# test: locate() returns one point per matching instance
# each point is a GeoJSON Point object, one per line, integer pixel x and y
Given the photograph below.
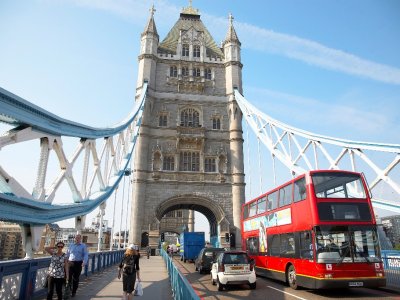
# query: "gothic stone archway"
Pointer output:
{"type": "Point", "coordinates": [210, 209]}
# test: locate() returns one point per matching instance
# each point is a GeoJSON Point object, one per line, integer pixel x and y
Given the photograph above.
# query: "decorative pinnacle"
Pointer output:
{"type": "Point", "coordinates": [190, 10]}
{"type": "Point", "coordinates": [152, 10]}
{"type": "Point", "coordinates": [231, 18]}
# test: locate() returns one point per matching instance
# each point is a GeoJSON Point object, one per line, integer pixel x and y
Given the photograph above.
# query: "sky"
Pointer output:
{"type": "Point", "coordinates": [328, 67]}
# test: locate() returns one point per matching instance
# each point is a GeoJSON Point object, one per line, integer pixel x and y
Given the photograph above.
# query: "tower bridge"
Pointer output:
{"type": "Point", "coordinates": [183, 141]}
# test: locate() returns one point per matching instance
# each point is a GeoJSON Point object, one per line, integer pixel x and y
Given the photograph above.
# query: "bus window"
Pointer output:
{"type": "Point", "coordinates": [299, 190]}
{"type": "Point", "coordinates": [273, 200]}
{"type": "Point", "coordinates": [245, 211]}
{"type": "Point", "coordinates": [333, 211]}
{"type": "Point", "coordinates": [253, 209]}
{"type": "Point", "coordinates": [287, 248]}
{"type": "Point", "coordinates": [274, 242]}
{"type": "Point", "coordinates": [338, 185]}
{"type": "Point", "coordinates": [262, 205]}
{"type": "Point", "coordinates": [285, 195]}
{"type": "Point", "coordinates": [252, 245]}
{"type": "Point", "coordinates": [306, 249]}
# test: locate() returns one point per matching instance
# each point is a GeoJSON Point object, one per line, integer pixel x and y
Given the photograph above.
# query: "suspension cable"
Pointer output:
{"type": "Point", "coordinates": [127, 211]}
{"type": "Point", "coordinates": [259, 163]}
{"type": "Point", "coordinates": [248, 153]}
{"type": "Point", "coordinates": [112, 241]}
{"type": "Point", "coordinates": [122, 213]}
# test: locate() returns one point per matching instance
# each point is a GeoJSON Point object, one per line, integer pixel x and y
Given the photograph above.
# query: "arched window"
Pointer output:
{"type": "Point", "coordinates": [190, 118]}
{"type": "Point", "coordinates": [207, 73]}
{"type": "Point", "coordinates": [185, 50]}
{"type": "Point", "coordinates": [185, 71]}
{"type": "Point", "coordinates": [196, 51]}
{"type": "Point", "coordinates": [173, 71]}
{"type": "Point", "coordinates": [196, 72]}
{"type": "Point", "coordinates": [210, 165]}
{"type": "Point", "coordinates": [169, 163]}
{"type": "Point", "coordinates": [216, 123]}
{"type": "Point", "coordinates": [163, 120]}
{"type": "Point", "coordinates": [189, 161]}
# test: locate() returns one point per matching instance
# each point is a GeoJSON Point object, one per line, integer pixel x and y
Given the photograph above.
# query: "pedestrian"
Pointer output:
{"type": "Point", "coordinates": [58, 271]}
{"type": "Point", "coordinates": [129, 267]}
{"type": "Point", "coordinates": [148, 251]}
{"type": "Point", "coordinates": [77, 259]}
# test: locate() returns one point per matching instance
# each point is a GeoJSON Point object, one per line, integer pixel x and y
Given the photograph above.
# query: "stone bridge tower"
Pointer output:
{"type": "Point", "coordinates": [190, 149]}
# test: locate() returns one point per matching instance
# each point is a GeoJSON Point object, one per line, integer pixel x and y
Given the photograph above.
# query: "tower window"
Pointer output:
{"type": "Point", "coordinates": [185, 50]}
{"type": "Point", "coordinates": [207, 73]}
{"type": "Point", "coordinates": [196, 72]}
{"type": "Point", "coordinates": [190, 118]}
{"type": "Point", "coordinates": [190, 161]}
{"type": "Point", "coordinates": [196, 51]}
{"type": "Point", "coordinates": [163, 120]}
{"type": "Point", "coordinates": [216, 123]}
{"type": "Point", "coordinates": [185, 71]}
{"type": "Point", "coordinates": [209, 165]}
{"type": "Point", "coordinates": [169, 163]}
{"type": "Point", "coordinates": [173, 71]}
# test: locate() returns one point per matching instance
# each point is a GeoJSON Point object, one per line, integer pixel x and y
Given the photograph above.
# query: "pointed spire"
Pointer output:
{"type": "Point", "coordinates": [231, 35]}
{"type": "Point", "coordinates": [151, 25]}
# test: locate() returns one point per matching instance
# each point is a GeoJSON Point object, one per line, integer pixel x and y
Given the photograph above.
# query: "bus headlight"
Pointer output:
{"type": "Point", "coordinates": [379, 274]}
{"type": "Point", "coordinates": [328, 276]}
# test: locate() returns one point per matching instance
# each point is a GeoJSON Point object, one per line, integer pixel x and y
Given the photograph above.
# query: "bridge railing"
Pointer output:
{"type": "Point", "coordinates": [391, 261]}
{"type": "Point", "coordinates": [24, 279]}
{"type": "Point", "coordinates": [181, 288]}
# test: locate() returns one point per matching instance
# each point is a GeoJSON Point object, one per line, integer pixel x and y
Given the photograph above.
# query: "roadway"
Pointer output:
{"type": "Point", "coordinates": [273, 290]}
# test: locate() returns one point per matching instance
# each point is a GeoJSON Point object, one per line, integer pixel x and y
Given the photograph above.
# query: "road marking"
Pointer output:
{"type": "Point", "coordinates": [271, 287]}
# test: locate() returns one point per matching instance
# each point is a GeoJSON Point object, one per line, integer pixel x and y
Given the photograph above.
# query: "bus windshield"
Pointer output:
{"type": "Point", "coordinates": [346, 244]}
{"type": "Point", "coordinates": [338, 185]}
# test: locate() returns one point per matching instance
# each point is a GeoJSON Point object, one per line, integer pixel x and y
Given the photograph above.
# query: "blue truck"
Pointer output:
{"type": "Point", "coordinates": [191, 244]}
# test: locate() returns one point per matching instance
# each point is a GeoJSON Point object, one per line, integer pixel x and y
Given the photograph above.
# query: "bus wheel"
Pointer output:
{"type": "Point", "coordinates": [291, 277]}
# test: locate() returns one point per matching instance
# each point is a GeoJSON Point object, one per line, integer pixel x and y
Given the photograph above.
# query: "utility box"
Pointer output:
{"type": "Point", "coordinates": [191, 244]}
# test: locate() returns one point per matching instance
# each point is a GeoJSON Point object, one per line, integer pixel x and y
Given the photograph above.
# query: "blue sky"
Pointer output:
{"type": "Point", "coordinates": [329, 67]}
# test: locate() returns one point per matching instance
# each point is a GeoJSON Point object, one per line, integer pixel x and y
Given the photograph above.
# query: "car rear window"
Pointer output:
{"type": "Point", "coordinates": [235, 259]}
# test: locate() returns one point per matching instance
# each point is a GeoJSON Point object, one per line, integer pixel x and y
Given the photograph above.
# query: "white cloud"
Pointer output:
{"type": "Point", "coordinates": [260, 39]}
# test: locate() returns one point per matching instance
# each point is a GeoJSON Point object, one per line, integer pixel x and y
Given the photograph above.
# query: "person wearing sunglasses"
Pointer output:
{"type": "Point", "coordinates": [58, 271]}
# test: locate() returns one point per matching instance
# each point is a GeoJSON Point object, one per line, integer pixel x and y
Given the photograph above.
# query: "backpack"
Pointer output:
{"type": "Point", "coordinates": [128, 266]}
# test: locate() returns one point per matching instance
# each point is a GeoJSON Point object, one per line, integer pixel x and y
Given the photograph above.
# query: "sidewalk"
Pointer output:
{"type": "Point", "coordinates": [106, 285]}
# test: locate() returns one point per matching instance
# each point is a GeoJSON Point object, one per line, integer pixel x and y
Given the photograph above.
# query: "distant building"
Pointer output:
{"type": "Point", "coordinates": [391, 226]}
{"type": "Point", "coordinates": [10, 241]}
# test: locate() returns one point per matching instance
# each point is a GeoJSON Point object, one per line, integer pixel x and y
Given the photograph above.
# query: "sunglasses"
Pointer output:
{"type": "Point", "coordinates": [60, 246]}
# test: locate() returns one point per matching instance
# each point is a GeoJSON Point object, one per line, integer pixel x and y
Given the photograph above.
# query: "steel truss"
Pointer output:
{"type": "Point", "coordinates": [299, 150]}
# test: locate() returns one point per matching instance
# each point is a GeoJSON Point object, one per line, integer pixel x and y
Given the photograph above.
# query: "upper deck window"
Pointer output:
{"type": "Point", "coordinates": [338, 185]}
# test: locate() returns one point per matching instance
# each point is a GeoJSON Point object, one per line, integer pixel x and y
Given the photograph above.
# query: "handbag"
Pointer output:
{"type": "Point", "coordinates": [46, 282]}
{"type": "Point", "coordinates": [138, 288]}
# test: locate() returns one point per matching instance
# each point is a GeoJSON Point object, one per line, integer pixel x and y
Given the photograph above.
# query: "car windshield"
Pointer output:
{"type": "Point", "coordinates": [346, 244]}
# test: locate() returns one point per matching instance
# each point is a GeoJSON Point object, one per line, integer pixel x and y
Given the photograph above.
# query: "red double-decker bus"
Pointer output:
{"type": "Point", "coordinates": [316, 231]}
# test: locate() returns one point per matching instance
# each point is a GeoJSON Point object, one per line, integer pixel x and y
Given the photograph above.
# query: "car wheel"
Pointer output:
{"type": "Point", "coordinates": [212, 280]}
{"type": "Point", "coordinates": [220, 286]}
{"type": "Point", "coordinates": [253, 286]}
{"type": "Point", "coordinates": [291, 277]}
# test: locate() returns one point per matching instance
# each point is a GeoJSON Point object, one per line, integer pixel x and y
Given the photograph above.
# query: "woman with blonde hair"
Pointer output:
{"type": "Point", "coordinates": [129, 267]}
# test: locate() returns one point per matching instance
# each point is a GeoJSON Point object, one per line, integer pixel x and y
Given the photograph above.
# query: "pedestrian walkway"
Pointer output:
{"type": "Point", "coordinates": [107, 286]}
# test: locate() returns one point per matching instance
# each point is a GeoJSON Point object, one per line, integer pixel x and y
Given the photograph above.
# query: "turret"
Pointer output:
{"type": "Point", "coordinates": [233, 65]}
{"type": "Point", "coordinates": [233, 76]}
{"type": "Point", "coordinates": [148, 52]}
